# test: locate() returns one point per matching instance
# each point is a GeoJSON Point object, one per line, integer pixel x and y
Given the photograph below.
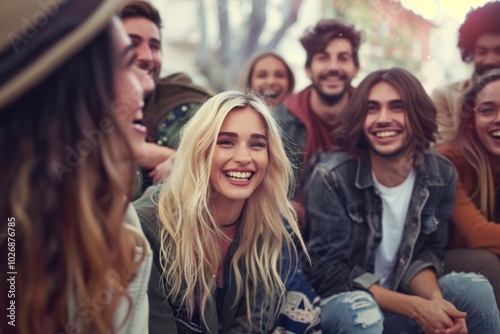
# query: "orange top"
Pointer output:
{"type": "Point", "coordinates": [470, 228]}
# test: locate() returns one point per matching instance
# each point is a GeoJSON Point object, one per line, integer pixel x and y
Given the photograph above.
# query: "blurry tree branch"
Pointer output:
{"type": "Point", "coordinates": [290, 19]}
{"type": "Point", "coordinates": [256, 25]}
{"type": "Point", "coordinates": [203, 49]}
{"type": "Point", "coordinates": [222, 71]}
{"type": "Point", "coordinates": [224, 31]}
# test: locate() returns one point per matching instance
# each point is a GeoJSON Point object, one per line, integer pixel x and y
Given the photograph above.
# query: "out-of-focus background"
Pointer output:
{"type": "Point", "coordinates": [210, 40]}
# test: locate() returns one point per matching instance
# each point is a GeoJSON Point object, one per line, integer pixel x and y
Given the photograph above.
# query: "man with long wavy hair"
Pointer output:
{"type": "Point", "coordinates": [377, 213]}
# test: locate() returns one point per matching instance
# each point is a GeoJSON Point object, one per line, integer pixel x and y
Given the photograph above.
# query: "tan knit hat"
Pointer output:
{"type": "Point", "coordinates": [37, 36]}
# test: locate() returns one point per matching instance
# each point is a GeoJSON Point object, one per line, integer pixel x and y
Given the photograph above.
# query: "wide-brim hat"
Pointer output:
{"type": "Point", "coordinates": [38, 36]}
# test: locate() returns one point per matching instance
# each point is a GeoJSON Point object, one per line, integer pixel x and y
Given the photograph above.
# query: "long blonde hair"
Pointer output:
{"type": "Point", "coordinates": [474, 151]}
{"type": "Point", "coordinates": [189, 231]}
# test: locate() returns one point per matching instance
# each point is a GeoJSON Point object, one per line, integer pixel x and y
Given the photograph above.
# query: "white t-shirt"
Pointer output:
{"type": "Point", "coordinates": [395, 202]}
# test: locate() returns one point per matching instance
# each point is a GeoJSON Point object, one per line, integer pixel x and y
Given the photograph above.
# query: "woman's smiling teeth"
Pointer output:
{"type": "Point", "coordinates": [238, 176]}
{"type": "Point", "coordinates": [496, 134]}
{"type": "Point", "coordinates": [271, 94]}
{"type": "Point", "coordinates": [385, 134]}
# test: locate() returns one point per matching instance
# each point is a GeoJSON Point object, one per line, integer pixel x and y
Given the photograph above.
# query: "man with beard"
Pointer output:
{"type": "Point", "coordinates": [332, 62]}
{"type": "Point", "coordinates": [172, 100]}
{"type": "Point", "coordinates": [377, 212]}
{"type": "Point", "coordinates": [479, 43]}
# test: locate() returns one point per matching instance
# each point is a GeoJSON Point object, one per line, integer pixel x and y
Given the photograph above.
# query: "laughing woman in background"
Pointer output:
{"type": "Point", "coordinates": [475, 230]}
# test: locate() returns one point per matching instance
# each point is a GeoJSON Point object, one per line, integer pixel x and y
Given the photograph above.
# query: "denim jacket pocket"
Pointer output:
{"type": "Point", "coordinates": [429, 223]}
{"type": "Point", "coordinates": [356, 213]}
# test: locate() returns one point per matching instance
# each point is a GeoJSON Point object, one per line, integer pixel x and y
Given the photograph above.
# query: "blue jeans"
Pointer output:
{"type": "Point", "coordinates": [357, 311]}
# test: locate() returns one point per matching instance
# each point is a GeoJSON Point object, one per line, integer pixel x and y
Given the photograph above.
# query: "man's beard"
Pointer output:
{"type": "Point", "coordinates": [480, 70]}
{"type": "Point", "coordinates": [401, 151]}
{"type": "Point", "coordinates": [153, 71]}
{"type": "Point", "coordinates": [331, 99]}
{"type": "Point", "coordinates": [398, 152]}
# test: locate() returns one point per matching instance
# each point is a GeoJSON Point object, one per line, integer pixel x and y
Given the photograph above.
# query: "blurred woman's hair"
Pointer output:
{"type": "Point", "coordinates": [63, 184]}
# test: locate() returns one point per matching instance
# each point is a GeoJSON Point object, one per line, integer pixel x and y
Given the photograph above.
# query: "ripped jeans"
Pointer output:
{"type": "Point", "coordinates": [357, 311]}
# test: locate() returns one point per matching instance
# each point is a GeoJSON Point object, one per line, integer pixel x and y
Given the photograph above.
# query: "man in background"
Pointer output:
{"type": "Point", "coordinates": [479, 43]}
{"type": "Point", "coordinates": [332, 62]}
{"type": "Point", "coordinates": [173, 99]}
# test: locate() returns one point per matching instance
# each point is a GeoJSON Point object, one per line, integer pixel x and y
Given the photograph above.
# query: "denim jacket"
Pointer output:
{"type": "Point", "coordinates": [344, 213]}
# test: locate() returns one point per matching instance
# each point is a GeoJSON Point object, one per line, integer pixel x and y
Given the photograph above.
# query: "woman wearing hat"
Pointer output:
{"type": "Point", "coordinates": [70, 109]}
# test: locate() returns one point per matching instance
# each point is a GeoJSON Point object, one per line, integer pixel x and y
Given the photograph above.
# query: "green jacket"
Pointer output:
{"type": "Point", "coordinates": [170, 106]}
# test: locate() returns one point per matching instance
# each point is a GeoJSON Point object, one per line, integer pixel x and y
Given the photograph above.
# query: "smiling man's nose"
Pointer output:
{"type": "Point", "coordinates": [144, 53]}
{"type": "Point", "coordinates": [384, 116]}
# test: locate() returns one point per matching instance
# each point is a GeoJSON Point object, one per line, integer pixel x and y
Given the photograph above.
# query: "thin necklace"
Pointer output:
{"type": "Point", "coordinates": [232, 224]}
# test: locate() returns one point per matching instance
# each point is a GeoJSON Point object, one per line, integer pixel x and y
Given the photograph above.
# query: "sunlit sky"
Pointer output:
{"type": "Point", "coordinates": [429, 8]}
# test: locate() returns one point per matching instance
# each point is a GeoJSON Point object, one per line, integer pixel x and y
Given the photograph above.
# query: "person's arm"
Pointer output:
{"type": "Point", "coordinates": [297, 288]}
{"type": "Point", "coordinates": [420, 279]}
{"type": "Point", "coordinates": [162, 170]}
{"type": "Point", "coordinates": [132, 316]}
{"type": "Point", "coordinates": [477, 230]}
{"type": "Point", "coordinates": [156, 155]}
{"type": "Point", "coordinates": [161, 317]}
{"type": "Point", "coordinates": [436, 311]}
{"type": "Point", "coordinates": [330, 239]}
{"type": "Point", "coordinates": [425, 305]}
